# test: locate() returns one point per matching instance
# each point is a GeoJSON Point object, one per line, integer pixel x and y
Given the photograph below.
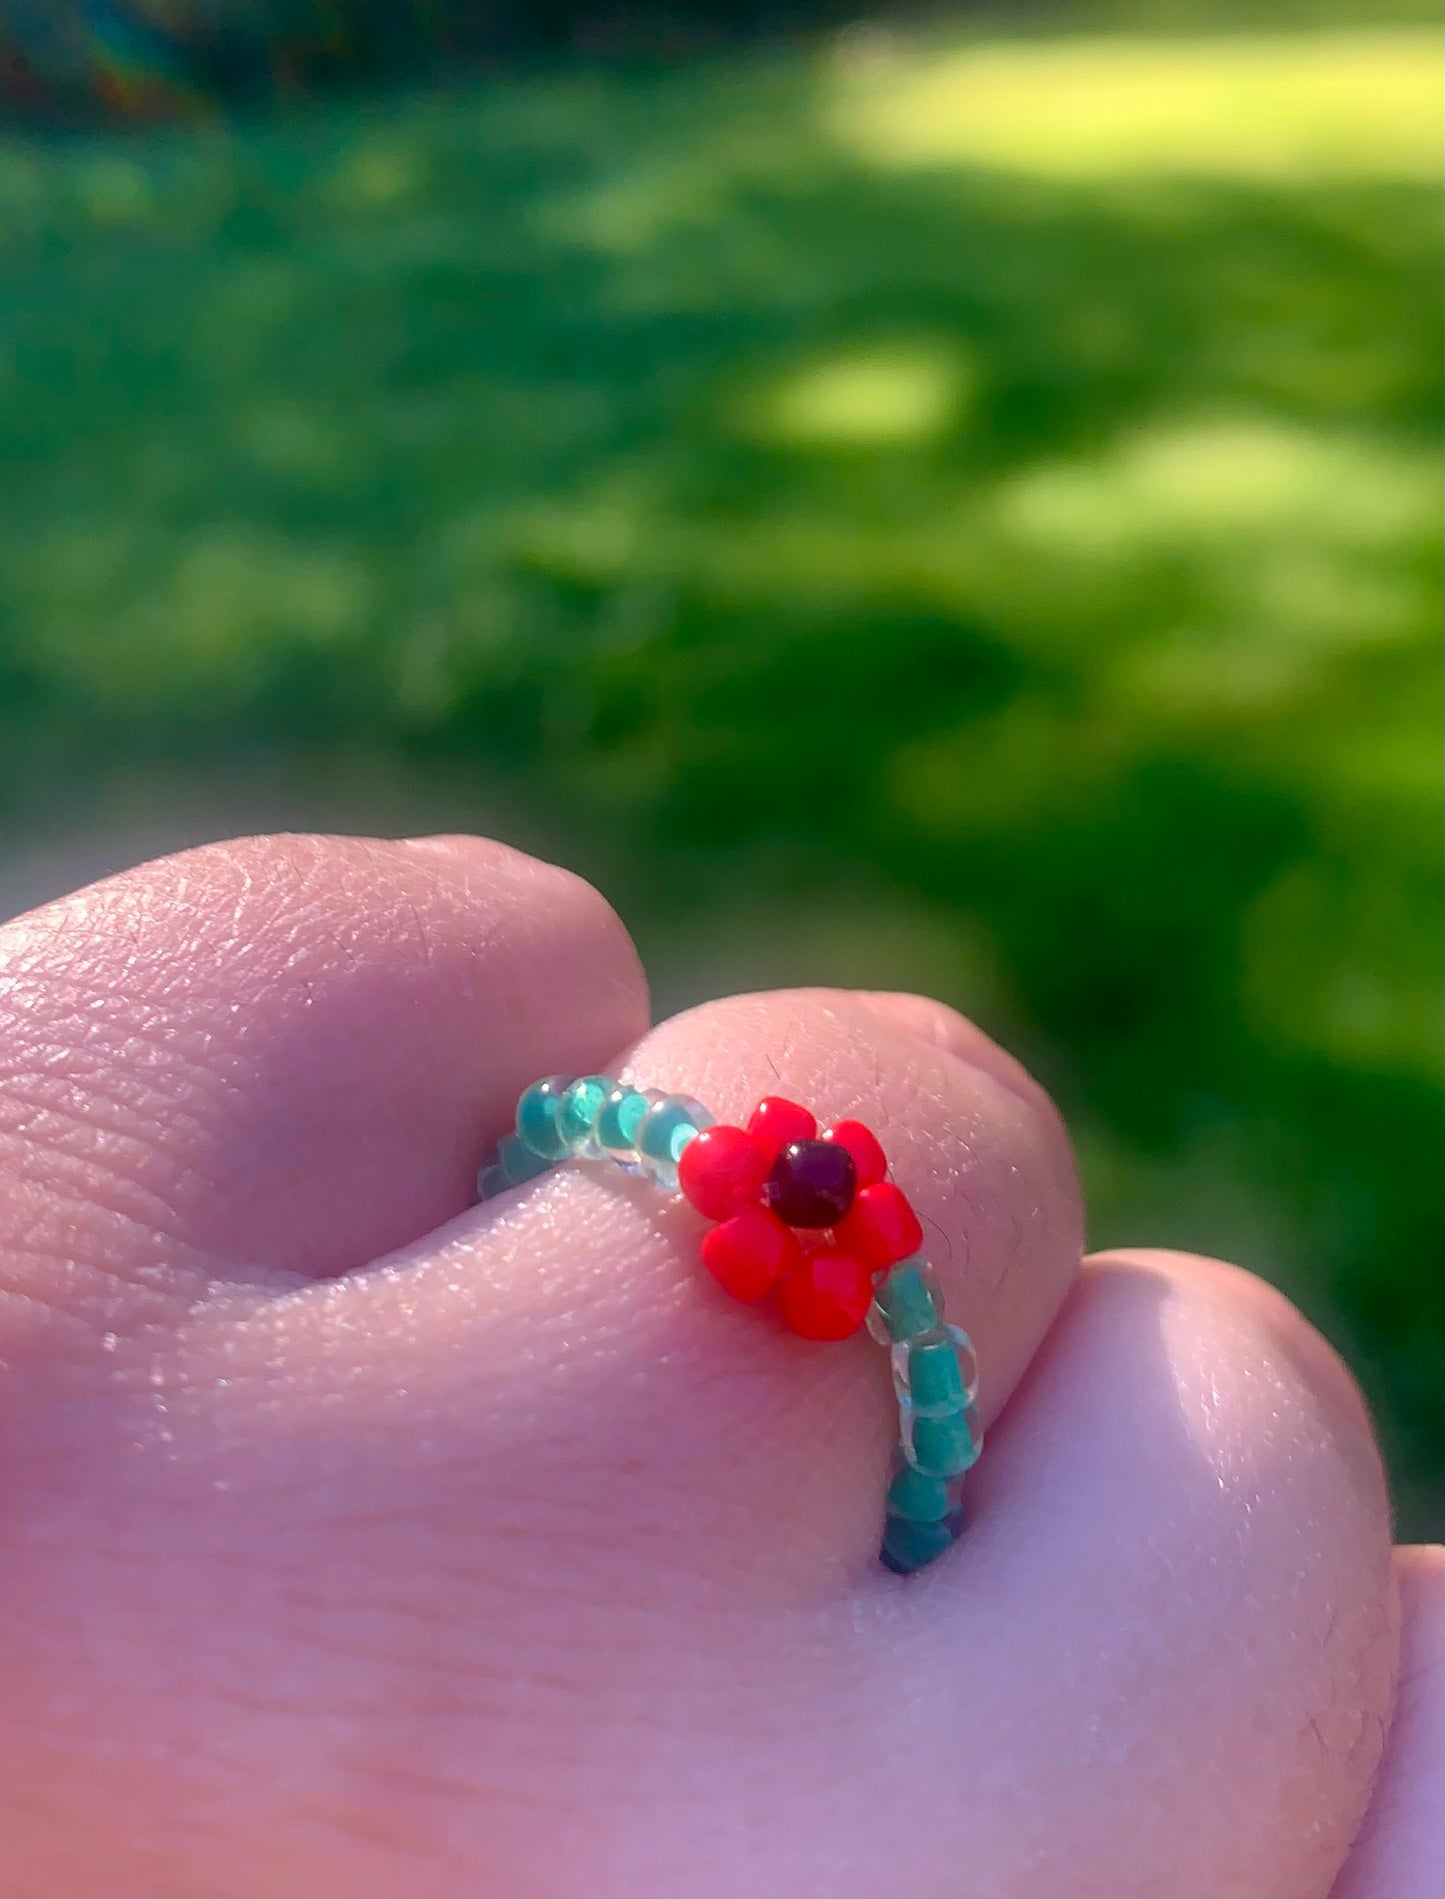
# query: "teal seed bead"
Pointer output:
{"type": "Point", "coordinates": [519, 1162]}
{"type": "Point", "coordinates": [668, 1126]}
{"type": "Point", "coordinates": [935, 1377]}
{"type": "Point", "coordinates": [908, 1301]}
{"type": "Point", "coordinates": [581, 1105]}
{"type": "Point", "coordinates": [539, 1117]}
{"type": "Point", "coordinates": [620, 1117]}
{"type": "Point", "coordinates": [908, 1545]}
{"type": "Point", "coordinates": [921, 1499]}
{"type": "Point", "coordinates": [492, 1180]}
{"type": "Point", "coordinates": [942, 1447]}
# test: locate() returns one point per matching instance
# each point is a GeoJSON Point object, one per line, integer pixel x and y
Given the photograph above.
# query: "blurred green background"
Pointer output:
{"type": "Point", "coordinates": [950, 507]}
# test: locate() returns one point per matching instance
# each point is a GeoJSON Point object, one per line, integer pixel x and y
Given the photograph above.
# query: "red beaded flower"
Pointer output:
{"type": "Point", "coordinates": [810, 1214]}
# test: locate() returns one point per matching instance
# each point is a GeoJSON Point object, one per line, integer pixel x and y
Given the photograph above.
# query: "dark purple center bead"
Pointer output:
{"type": "Point", "coordinates": [812, 1183]}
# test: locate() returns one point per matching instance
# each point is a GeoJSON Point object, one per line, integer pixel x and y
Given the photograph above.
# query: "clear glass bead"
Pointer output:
{"type": "Point", "coordinates": [940, 1446]}
{"type": "Point", "coordinates": [909, 1301]}
{"type": "Point", "coordinates": [664, 1131]}
{"type": "Point", "coordinates": [935, 1371]}
{"type": "Point", "coordinates": [582, 1105]}
{"type": "Point", "coordinates": [619, 1119]}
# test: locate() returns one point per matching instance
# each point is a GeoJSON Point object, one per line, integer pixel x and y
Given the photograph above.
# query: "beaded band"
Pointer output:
{"type": "Point", "coordinates": [809, 1217]}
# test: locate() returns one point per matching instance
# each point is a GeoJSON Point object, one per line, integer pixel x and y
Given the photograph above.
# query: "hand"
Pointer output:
{"type": "Point", "coordinates": [362, 1542]}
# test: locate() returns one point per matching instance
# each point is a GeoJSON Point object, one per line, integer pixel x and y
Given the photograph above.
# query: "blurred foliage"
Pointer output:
{"type": "Point", "coordinates": [890, 519]}
{"type": "Point", "coordinates": [91, 61]}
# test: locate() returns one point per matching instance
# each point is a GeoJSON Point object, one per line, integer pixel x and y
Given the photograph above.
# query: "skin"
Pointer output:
{"type": "Point", "coordinates": [359, 1542]}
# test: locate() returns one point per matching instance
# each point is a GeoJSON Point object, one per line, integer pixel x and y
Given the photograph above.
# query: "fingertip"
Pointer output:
{"type": "Point", "coordinates": [1421, 1568]}
{"type": "Point", "coordinates": [1396, 1853]}
{"type": "Point", "coordinates": [942, 1026]}
{"type": "Point", "coordinates": [1319, 1366]}
{"type": "Point", "coordinates": [929, 1019]}
{"type": "Point", "coordinates": [1420, 1576]}
{"type": "Point", "coordinates": [1214, 1518]}
{"type": "Point", "coordinates": [557, 894]}
{"type": "Point", "coordinates": [450, 843]}
{"type": "Point", "coordinates": [288, 1052]}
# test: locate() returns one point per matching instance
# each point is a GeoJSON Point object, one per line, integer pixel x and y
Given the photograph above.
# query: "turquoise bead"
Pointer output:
{"type": "Point", "coordinates": [935, 1378]}
{"type": "Point", "coordinates": [581, 1105]}
{"type": "Point", "coordinates": [621, 1115]}
{"type": "Point", "coordinates": [943, 1447]}
{"type": "Point", "coordinates": [906, 1300]}
{"type": "Point", "coordinates": [492, 1180]}
{"type": "Point", "coordinates": [908, 1546]}
{"type": "Point", "coordinates": [519, 1162]}
{"type": "Point", "coordinates": [539, 1117]}
{"type": "Point", "coordinates": [921, 1499]}
{"type": "Point", "coordinates": [668, 1126]}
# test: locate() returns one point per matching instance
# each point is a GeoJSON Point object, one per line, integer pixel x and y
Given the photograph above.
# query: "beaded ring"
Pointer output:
{"type": "Point", "coordinates": [810, 1218]}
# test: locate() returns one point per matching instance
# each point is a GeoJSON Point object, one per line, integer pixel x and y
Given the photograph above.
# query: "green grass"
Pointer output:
{"type": "Point", "coordinates": [887, 518]}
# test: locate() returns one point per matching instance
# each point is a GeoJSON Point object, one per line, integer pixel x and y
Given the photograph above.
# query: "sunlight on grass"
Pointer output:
{"type": "Point", "coordinates": [1210, 483]}
{"type": "Point", "coordinates": [1343, 104]}
{"type": "Point", "coordinates": [885, 397]}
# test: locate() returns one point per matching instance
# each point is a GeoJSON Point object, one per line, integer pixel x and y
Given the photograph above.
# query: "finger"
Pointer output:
{"type": "Point", "coordinates": [1160, 1662]}
{"type": "Point", "coordinates": [524, 1562]}
{"type": "Point", "coordinates": [933, 1021]}
{"type": "Point", "coordinates": [690, 1430]}
{"type": "Point", "coordinates": [282, 1054]}
{"type": "Point", "coordinates": [1399, 1852]}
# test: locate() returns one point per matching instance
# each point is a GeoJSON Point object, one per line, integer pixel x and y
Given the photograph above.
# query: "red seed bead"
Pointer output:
{"type": "Point", "coordinates": [880, 1227]}
{"type": "Point", "coordinates": [862, 1144]}
{"type": "Point", "coordinates": [722, 1171]}
{"type": "Point", "coordinates": [748, 1254]}
{"type": "Point", "coordinates": [826, 1295]}
{"type": "Point", "coordinates": [775, 1124]}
